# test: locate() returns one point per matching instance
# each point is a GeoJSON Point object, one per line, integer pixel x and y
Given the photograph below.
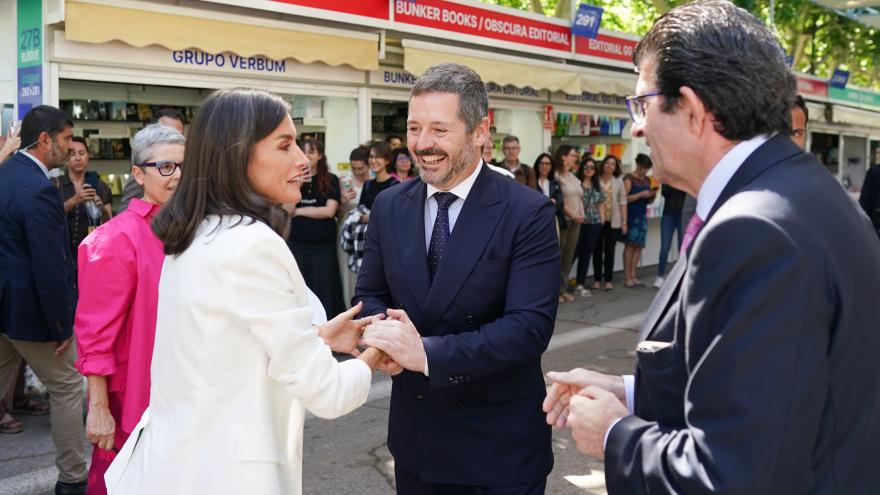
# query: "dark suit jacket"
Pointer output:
{"type": "Point", "coordinates": [771, 384]}
{"type": "Point", "coordinates": [37, 300]}
{"type": "Point", "coordinates": [486, 320]}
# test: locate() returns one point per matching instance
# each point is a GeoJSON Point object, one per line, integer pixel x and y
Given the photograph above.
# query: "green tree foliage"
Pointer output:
{"type": "Point", "coordinates": [818, 39]}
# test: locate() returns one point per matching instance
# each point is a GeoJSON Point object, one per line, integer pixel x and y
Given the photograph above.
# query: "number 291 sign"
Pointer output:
{"type": "Point", "coordinates": [587, 20]}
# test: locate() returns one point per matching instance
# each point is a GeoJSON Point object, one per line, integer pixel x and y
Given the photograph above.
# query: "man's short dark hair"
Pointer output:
{"type": "Point", "coordinates": [171, 113]}
{"type": "Point", "coordinates": [509, 139]}
{"type": "Point", "coordinates": [800, 103]}
{"type": "Point", "coordinates": [729, 59]}
{"type": "Point", "coordinates": [460, 80]}
{"type": "Point", "coordinates": [392, 137]}
{"type": "Point", "coordinates": [40, 119]}
{"type": "Point", "coordinates": [359, 154]}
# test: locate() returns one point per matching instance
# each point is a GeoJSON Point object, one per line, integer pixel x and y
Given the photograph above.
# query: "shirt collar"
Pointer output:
{"type": "Point", "coordinates": [464, 187]}
{"type": "Point", "coordinates": [38, 162]}
{"type": "Point", "coordinates": [723, 171]}
{"type": "Point", "coordinates": [144, 209]}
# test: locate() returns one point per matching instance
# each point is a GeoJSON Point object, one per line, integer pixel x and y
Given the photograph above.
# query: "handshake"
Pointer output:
{"type": "Point", "coordinates": [393, 343]}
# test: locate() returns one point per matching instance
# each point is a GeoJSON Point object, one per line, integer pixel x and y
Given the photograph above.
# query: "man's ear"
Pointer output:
{"type": "Point", "coordinates": [44, 141]}
{"type": "Point", "coordinates": [694, 110]}
{"type": "Point", "coordinates": [481, 133]}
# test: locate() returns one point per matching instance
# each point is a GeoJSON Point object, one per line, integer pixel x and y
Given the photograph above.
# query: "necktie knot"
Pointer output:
{"type": "Point", "coordinates": [444, 199]}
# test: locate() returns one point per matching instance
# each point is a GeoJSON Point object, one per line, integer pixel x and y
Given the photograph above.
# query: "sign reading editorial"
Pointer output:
{"type": "Point", "coordinates": [484, 22]}
{"type": "Point", "coordinates": [228, 60]}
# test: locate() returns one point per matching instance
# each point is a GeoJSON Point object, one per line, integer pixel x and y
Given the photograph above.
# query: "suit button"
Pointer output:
{"type": "Point", "coordinates": [451, 379]}
{"type": "Point", "coordinates": [420, 396]}
{"type": "Point", "coordinates": [470, 319]}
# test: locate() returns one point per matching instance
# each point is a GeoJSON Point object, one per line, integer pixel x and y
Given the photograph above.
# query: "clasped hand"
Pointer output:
{"type": "Point", "coordinates": [587, 402]}
{"type": "Point", "coordinates": [399, 339]}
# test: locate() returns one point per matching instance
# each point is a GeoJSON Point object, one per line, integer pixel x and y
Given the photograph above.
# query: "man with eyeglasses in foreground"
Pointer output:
{"type": "Point", "coordinates": [756, 370]}
{"type": "Point", "coordinates": [37, 296]}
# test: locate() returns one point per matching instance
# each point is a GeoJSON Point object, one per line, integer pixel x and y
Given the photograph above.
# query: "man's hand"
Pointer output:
{"type": "Point", "coordinates": [100, 427]}
{"type": "Point", "coordinates": [568, 384]}
{"type": "Point", "coordinates": [399, 339]}
{"type": "Point", "coordinates": [390, 367]}
{"type": "Point", "coordinates": [62, 345]}
{"type": "Point", "coordinates": [592, 412]}
{"type": "Point", "coordinates": [342, 333]}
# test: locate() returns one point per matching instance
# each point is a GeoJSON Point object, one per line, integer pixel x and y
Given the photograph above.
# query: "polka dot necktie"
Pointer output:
{"type": "Point", "coordinates": [440, 235]}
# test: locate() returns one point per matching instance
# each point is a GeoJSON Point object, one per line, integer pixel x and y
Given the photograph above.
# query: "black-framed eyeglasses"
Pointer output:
{"type": "Point", "coordinates": [636, 106]}
{"type": "Point", "coordinates": [165, 167]}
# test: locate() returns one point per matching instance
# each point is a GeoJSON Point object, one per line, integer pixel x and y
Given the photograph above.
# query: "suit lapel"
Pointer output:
{"type": "Point", "coordinates": [663, 299]}
{"type": "Point", "coordinates": [776, 150]}
{"type": "Point", "coordinates": [411, 240]}
{"type": "Point", "coordinates": [475, 224]}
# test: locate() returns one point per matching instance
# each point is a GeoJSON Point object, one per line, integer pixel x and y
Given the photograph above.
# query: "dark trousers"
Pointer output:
{"type": "Point", "coordinates": [603, 256]}
{"type": "Point", "coordinates": [408, 483]}
{"type": "Point", "coordinates": [669, 224]}
{"type": "Point", "coordinates": [586, 245]}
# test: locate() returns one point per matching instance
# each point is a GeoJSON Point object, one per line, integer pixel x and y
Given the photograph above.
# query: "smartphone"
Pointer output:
{"type": "Point", "coordinates": [346, 182]}
{"type": "Point", "coordinates": [91, 178]}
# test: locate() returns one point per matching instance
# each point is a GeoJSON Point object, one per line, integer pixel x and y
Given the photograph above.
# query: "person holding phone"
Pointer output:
{"type": "Point", "coordinates": [87, 200]}
{"type": "Point", "coordinates": [10, 143]}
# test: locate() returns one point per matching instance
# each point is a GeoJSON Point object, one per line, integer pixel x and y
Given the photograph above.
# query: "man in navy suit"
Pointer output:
{"type": "Point", "coordinates": [37, 297]}
{"type": "Point", "coordinates": [465, 262]}
{"type": "Point", "coordinates": [757, 370]}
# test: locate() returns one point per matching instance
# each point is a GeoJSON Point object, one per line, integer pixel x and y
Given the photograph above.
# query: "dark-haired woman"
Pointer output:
{"type": "Point", "coordinates": [638, 194]}
{"type": "Point", "coordinates": [565, 161]}
{"type": "Point", "coordinates": [236, 360]}
{"type": "Point", "coordinates": [380, 165]}
{"type": "Point", "coordinates": [594, 218]}
{"type": "Point", "coordinates": [313, 231]}
{"type": "Point", "coordinates": [86, 204]}
{"type": "Point", "coordinates": [548, 185]}
{"type": "Point", "coordinates": [402, 165]}
{"type": "Point", "coordinates": [611, 186]}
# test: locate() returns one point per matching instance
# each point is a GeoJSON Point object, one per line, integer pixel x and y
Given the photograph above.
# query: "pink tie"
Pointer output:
{"type": "Point", "coordinates": [693, 228]}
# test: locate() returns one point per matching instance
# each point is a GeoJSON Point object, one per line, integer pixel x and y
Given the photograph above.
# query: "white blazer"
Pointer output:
{"type": "Point", "coordinates": [235, 364]}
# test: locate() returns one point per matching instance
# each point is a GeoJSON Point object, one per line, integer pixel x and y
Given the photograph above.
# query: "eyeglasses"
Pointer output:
{"type": "Point", "coordinates": [165, 167]}
{"type": "Point", "coordinates": [403, 158]}
{"type": "Point", "coordinates": [545, 162]}
{"type": "Point", "coordinates": [636, 106]}
{"type": "Point", "coordinates": [589, 167]}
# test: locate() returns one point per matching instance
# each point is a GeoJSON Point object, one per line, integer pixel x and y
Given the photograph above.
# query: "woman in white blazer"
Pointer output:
{"type": "Point", "coordinates": [236, 361]}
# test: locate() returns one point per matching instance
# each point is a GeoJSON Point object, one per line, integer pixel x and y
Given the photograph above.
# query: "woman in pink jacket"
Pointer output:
{"type": "Point", "coordinates": [119, 268]}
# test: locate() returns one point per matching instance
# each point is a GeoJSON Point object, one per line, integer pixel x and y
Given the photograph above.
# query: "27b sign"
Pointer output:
{"type": "Point", "coordinates": [587, 21]}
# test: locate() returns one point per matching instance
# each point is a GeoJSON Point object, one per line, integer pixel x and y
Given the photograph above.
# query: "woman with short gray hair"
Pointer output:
{"type": "Point", "coordinates": [119, 268]}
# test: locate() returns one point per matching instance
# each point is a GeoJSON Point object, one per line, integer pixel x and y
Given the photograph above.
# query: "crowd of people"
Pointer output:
{"type": "Point", "coordinates": [205, 313]}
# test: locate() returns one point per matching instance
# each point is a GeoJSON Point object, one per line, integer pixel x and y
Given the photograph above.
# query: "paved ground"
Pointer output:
{"type": "Point", "coordinates": [348, 455]}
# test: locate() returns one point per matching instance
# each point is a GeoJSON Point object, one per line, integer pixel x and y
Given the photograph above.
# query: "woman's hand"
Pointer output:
{"type": "Point", "coordinates": [100, 427]}
{"type": "Point", "coordinates": [377, 359]}
{"type": "Point", "coordinates": [85, 193]}
{"type": "Point", "coordinates": [342, 333]}
{"type": "Point", "coordinates": [348, 195]}
{"type": "Point", "coordinates": [12, 143]}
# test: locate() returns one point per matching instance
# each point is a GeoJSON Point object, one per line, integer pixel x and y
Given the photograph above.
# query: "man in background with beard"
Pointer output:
{"type": "Point", "coordinates": [465, 262]}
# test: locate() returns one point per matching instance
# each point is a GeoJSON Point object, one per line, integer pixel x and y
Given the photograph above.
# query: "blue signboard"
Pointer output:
{"type": "Point", "coordinates": [587, 21]}
{"type": "Point", "coordinates": [839, 79]}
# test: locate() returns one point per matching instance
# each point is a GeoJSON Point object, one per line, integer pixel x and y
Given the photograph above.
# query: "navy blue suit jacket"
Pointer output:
{"type": "Point", "coordinates": [770, 383]}
{"type": "Point", "coordinates": [485, 321]}
{"type": "Point", "coordinates": [37, 298]}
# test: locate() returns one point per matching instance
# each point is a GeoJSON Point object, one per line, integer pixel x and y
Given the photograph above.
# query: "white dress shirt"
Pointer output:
{"type": "Point", "coordinates": [709, 193]}
{"type": "Point", "coordinates": [461, 191]}
{"type": "Point", "coordinates": [36, 160]}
